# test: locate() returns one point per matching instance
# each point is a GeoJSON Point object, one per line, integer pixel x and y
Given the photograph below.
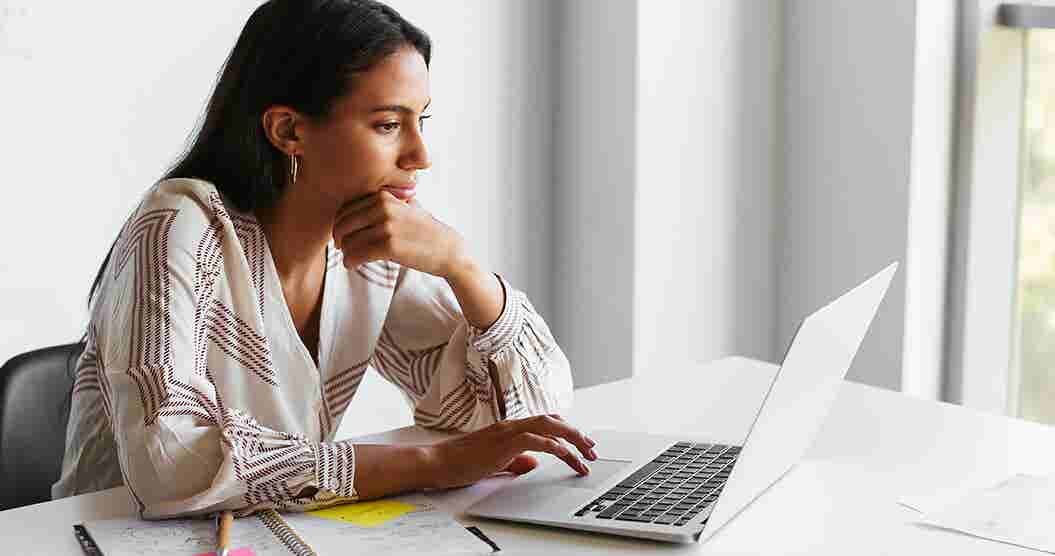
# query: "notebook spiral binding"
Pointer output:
{"type": "Point", "coordinates": [284, 534]}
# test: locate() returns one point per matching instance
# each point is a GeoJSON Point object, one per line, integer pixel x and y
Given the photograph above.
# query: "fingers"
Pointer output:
{"type": "Point", "coordinates": [554, 425]}
{"type": "Point", "coordinates": [522, 463]}
{"type": "Point", "coordinates": [355, 221]}
{"type": "Point", "coordinates": [372, 244]}
{"type": "Point", "coordinates": [359, 203]}
{"type": "Point", "coordinates": [365, 211]}
{"type": "Point", "coordinates": [539, 443]}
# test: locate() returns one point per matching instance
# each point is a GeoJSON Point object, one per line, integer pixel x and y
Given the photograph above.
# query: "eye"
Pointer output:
{"type": "Point", "coordinates": [390, 127]}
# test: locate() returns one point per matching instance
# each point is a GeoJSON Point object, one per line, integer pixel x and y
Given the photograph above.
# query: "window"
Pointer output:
{"type": "Point", "coordinates": [1034, 333]}
{"type": "Point", "coordinates": [1001, 333]}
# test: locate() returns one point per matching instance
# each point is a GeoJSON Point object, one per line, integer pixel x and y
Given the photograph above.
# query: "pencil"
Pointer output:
{"type": "Point", "coordinates": [223, 532]}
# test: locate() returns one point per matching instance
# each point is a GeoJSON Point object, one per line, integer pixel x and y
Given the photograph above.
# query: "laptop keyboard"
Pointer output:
{"type": "Point", "coordinates": [672, 489]}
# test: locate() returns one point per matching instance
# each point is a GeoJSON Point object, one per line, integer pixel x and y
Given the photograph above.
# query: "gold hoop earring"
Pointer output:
{"type": "Point", "coordinates": [293, 167]}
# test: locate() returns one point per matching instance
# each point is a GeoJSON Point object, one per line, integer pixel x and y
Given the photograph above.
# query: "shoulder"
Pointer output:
{"type": "Point", "coordinates": [179, 210]}
{"type": "Point", "coordinates": [182, 194]}
{"type": "Point", "coordinates": [178, 225]}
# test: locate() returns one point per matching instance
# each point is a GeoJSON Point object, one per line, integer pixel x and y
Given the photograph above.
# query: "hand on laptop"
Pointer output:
{"type": "Point", "coordinates": [500, 447]}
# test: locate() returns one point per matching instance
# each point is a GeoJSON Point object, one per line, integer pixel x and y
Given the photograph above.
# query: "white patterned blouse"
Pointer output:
{"type": "Point", "coordinates": [196, 392]}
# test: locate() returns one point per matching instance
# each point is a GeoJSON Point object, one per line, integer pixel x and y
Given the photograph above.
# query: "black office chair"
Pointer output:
{"type": "Point", "coordinates": [34, 409]}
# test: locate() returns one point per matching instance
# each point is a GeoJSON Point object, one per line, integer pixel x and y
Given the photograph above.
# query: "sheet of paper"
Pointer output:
{"type": "Point", "coordinates": [941, 496]}
{"type": "Point", "coordinates": [409, 524]}
{"type": "Point", "coordinates": [1019, 511]}
{"type": "Point", "coordinates": [367, 514]}
{"type": "Point", "coordinates": [179, 537]}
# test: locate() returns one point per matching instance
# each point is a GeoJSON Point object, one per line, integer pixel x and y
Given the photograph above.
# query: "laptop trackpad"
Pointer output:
{"type": "Point", "coordinates": [559, 474]}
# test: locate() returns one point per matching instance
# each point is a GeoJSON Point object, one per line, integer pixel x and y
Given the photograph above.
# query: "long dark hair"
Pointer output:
{"type": "Point", "coordinates": [304, 54]}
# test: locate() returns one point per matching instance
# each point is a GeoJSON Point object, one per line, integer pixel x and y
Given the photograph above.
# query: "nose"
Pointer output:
{"type": "Point", "coordinates": [416, 154]}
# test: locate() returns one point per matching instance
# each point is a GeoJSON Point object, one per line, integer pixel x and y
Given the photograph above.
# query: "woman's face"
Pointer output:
{"type": "Point", "coordinates": [373, 136]}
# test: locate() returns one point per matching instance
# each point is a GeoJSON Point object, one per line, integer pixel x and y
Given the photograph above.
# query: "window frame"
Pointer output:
{"type": "Point", "coordinates": [982, 370]}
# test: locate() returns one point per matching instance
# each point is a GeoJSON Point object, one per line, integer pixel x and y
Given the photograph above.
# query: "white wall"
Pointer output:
{"type": "Point", "coordinates": [593, 195]}
{"type": "Point", "coordinates": [848, 108]}
{"type": "Point", "coordinates": [930, 193]}
{"type": "Point", "coordinates": [707, 180]}
{"type": "Point", "coordinates": [667, 180]}
{"type": "Point", "coordinates": [98, 99]}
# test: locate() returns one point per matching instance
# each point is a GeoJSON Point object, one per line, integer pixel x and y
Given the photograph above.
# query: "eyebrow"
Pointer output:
{"type": "Point", "coordinates": [398, 108]}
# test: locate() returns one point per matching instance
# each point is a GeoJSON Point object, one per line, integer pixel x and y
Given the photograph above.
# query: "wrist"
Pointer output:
{"type": "Point", "coordinates": [461, 269]}
{"type": "Point", "coordinates": [424, 461]}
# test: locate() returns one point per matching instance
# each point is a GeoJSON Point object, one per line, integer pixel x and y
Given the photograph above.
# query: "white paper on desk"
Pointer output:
{"type": "Point", "coordinates": [178, 537]}
{"type": "Point", "coordinates": [425, 530]}
{"type": "Point", "coordinates": [938, 498]}
{"type": "Point", "coordinates": [1019, 511]}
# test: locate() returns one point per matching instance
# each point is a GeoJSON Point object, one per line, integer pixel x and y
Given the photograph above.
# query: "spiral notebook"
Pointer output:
{"type": "Point", "coordinates": [400, 525]}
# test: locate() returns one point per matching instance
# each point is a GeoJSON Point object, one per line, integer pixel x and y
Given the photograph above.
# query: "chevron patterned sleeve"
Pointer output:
{"type": "Point", "coordinates": [184, 447]}
{"type": "Point", "coordinates": [446, 366]}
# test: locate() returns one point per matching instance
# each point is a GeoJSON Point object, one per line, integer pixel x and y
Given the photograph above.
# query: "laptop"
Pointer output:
{"type": "Point", "coordinates": [671, 489]}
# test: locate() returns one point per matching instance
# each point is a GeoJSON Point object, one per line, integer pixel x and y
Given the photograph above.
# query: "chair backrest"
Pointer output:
{"type": "Point", "coordinates": [34, 409]}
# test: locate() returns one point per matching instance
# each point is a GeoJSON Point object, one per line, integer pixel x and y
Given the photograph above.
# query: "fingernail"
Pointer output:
{"type": "Point", "coordinates": [585, 470]}
{"type": "Point", "coordinates": [590, 442]}
{"type": "Point", "coordinates": [592, 454]}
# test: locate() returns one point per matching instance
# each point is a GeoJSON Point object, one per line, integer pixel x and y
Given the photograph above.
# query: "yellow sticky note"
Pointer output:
{"type": "Point", "coordinates": [366, 514]}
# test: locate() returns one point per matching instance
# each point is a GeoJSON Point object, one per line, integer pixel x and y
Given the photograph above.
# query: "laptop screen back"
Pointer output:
{"type": "Point", "coordinates": [801, 394]}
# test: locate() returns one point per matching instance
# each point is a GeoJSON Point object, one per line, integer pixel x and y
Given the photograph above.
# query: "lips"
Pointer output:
{"type": "Point", "coordinates": [403, 192]}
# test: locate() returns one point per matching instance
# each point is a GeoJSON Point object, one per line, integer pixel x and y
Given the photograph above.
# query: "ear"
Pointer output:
{"type": "Point", "coordinates": [284, 127]}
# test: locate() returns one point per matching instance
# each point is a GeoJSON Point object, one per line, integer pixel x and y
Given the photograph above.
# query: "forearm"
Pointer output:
{"type": "Point", "coordinates": [479, 293]}
{"type": "Point", "coordinates": [382, 470]}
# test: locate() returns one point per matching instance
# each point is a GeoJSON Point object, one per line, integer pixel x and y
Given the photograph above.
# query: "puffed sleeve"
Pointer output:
{"type": "Point", "coordinates": [447, 367]}
{"type": "Point", "coordinates": [182, 449]}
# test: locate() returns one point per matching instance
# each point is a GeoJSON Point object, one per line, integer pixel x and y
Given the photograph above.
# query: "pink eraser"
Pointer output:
{"type": "Point", "coordinates": [244, 551]}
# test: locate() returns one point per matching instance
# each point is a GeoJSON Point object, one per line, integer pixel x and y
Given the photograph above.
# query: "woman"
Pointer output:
{"type": "Point", "coordinates": [242, 302]}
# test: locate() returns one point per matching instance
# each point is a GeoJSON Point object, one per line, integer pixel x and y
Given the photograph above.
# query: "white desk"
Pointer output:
{"type": "Point", "coordinates": [875, 447]}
